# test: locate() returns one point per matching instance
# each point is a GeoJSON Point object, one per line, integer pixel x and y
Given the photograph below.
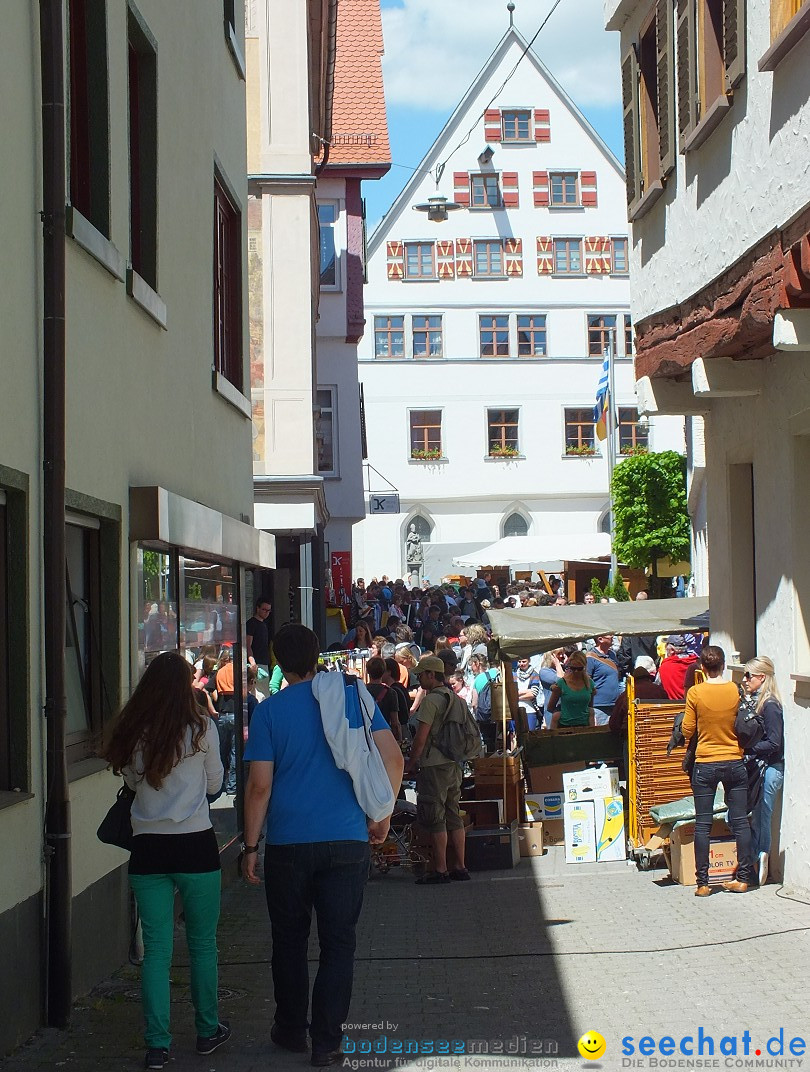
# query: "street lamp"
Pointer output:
{"type": "Point", "coordinates": [437, 208]}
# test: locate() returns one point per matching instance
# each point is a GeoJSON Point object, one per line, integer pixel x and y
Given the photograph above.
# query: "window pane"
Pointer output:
{"type": "Point", "coordinates": [327, 217]}
{"type": "Point", "coordinates": [208, 610]}
{"type": "Point", "coordinates": [426, 433]}
{"type": "Point", "coordinates": [564, 188]}
{"type": "Point", "coordinates": [532, 335]}
{"type": "Point", "coordinates": [579, 430]}
{"type": "Point", "coordinates": [427, 336]}
{"type": "Point", "coordinates": [515, 126]}
{"type": "Point", "coordinates": [389, 336]}
{"type": "Point", "coordinates": [515, 525]}
{"type": "Point", "coordinates": [157, 606]}
{"type": "Point", "coordinates": [77, 634]}
{"type": "Point", "coordinates": [620, 256]}
{"type": "Point", "coordinates": [324, 431]}
{"type": "Point", "coordinates": [601, 333]}
{"type": "Point", "coordinates": [502, 426]}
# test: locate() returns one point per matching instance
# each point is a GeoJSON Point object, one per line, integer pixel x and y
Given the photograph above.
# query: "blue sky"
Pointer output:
{"type": "Point", "coordinates": [435, 48]}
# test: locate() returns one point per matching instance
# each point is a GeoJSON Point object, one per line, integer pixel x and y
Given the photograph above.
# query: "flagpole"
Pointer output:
{"type": "Point", "coordinates": [611, 445]}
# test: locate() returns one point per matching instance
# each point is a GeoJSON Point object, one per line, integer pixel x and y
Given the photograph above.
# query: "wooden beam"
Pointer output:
{"type": "Point", "coordinates": [720, 377]}
{"type": "Point", "coordinates": [659, 396]}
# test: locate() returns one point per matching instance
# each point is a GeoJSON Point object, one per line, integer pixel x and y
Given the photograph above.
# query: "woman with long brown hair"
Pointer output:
{"type": "Point", "coordinates": [167, 749]}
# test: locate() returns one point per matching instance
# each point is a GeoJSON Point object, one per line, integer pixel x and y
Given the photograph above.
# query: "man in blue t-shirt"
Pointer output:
{"type": "Point", "coordinates": [604, 673]}
{"type": "Point", "coordinates": [317, 851]}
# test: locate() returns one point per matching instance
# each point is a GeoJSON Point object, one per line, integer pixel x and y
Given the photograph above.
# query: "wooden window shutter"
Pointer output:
{"type": "Point", "coordinates": [734, 41]}
{"type": "Point", "coordinates": [587, 187]}
{"type": "Point", "coordinates": [632, 155]}
{"type": "Point", "coordinates": [396, 260]}
{"type": "Point", "coordinates": [492, 124]}
{"type": "Point", "coordinates": [463, 257]}
{"type": "Point", "coordinates": [509, 189]}
{"type": "Point", "coordinates": [686, 44]}
{"type": "Point", "coordinates": [445, 257]}
{"type": "Point", "coordinates": [461, 188]}
{"type": "Point", "coordinates": [542, 124]}
{"type": "Point", "coordinates": [665, 71]}
{"type": "Point", "coordinates": [545, 255]}
{"type": "Point", "coordinates": [513, 250]}
{"type": "Point", "coordinates": [540, 184]}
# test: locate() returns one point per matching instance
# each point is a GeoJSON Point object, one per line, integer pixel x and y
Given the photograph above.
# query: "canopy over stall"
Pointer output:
{"type": "Point", "coordinates": [532, 630]}
{"type": "Point", "coordinates": [546, 552]}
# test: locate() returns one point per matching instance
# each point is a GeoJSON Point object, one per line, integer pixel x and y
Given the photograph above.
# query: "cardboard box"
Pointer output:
{"type": "Point", "coordinates": [544, 806]}
{"type": "Point", "coordinates": [595, 783]}
{"type": "Point", "coordinates": [611, 842]}
{"type": "Point", "coordinates": [580, 832]}
{"type": "Point", "coordinates": [492, 848]}
{"type": "Point", "coordinates": [493, 765]}
{"type": "Point", "coordinates": [681, 855]}
{"type": "Point", "coordinates": [553, 832]}
{"type": "Point", "coordinates": [492, 789]}
{"type": "Point", "coordinates": [549, 779]}
{"type": "Point", "coordinates": [483, 812]}
{"type": "Point", "coordinates": [530, 839]}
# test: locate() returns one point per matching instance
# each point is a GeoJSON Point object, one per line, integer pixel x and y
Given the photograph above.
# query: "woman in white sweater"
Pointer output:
{"type": "Point", "coordinates": [167, 749]}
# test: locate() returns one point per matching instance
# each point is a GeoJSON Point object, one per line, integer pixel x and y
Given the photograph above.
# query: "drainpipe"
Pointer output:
{"type": "Point", "coordinates": [57, 806]}
{"type": "Point", "coordinates": [329, 97]}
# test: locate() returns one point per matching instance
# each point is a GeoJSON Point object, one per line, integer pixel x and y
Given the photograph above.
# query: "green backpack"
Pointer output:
{"type": "Point", "coordinates": [457, 737]}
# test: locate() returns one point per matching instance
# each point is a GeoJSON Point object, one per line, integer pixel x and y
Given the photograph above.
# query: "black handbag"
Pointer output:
{"type": "Point", "coordinates": [688, 763]}
{"type": "Point", "coordinates": [116, 826]}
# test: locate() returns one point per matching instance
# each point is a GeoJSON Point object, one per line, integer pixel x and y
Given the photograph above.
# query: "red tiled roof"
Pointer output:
{"type": "Point", "coordinates": [359, 124]}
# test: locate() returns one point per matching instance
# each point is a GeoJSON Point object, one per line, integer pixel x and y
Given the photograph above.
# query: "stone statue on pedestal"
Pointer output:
{"type": "Point", "coordinates": [413, 547]}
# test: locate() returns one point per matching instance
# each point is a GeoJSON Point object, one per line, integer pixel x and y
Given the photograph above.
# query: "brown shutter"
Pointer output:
{"type": "Point", "coordinates": [734, 41]}
{"type": "Point", "coordinates": [686, 42]}
{"type": "Point", "coordinates": [587, 188]}
{"type": "Point", "coordinates": [445, 258]}
{"type": "Point", "coordinates": [542, 125]}
{"type": "Point", "coordinates": [632, 156]}
{"type": "Point", "coordinates": [545, 255]}
{"type": "Point", "coordinates": [513, 252]}
{"type": "Point", "coordinates": [461, 188]}
{"type": "Point", "coordinates": [509, 189]}
{"type": "Point", "coordinates": [396, 260]}
{"type": "Point", "coordinates": [665, 70]}
{"type": "Point", "coordinates": [463, 257]}
{"type": "Point", "coordinates": [492, 124]}
{"type": "Point", "coordinates": [541, 194]}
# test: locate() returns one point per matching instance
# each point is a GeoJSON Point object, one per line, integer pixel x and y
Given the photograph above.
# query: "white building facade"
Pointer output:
{"type": "Point", "coordinates": [717, 125]}
{"type": "Point", "coordinates": [486, 332]}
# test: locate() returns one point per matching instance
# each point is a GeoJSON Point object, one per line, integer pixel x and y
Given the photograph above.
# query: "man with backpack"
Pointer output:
{"type": "Point", "coordinates": [438, 777]}
{"type": "Point", "coordinates": [482, 699]}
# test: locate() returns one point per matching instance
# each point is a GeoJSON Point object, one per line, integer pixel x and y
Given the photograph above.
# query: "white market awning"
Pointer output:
{"type": "Point", "coordinates": [546, 552]}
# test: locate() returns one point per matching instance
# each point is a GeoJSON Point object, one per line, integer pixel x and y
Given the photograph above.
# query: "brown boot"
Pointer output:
{"type": "Point", "coordinates": [703, 891]}
{"type": "Point", "coordinates": [735, 886]}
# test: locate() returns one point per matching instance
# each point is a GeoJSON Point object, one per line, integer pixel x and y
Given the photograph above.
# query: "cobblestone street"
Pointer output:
{"type": "Point", "coordinates": [538, 955]}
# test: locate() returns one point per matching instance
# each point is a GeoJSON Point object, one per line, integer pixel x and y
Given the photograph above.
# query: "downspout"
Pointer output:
{"type": "Point", "coordinates": [329, 84]}
{"type": "Point", "coordinates": [58, 905]}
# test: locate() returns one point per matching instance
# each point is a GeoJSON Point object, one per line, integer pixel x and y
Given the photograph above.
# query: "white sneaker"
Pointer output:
{"type": "Point", "coordinates": [762, 864]}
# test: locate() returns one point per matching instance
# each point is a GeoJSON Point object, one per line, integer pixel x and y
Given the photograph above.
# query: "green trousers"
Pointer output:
{"type": "Point", "coordinates": [155, 898]}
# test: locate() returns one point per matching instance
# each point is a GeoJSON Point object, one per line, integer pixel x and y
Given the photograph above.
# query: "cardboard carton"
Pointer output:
{"type": "Point", "coordinates": [549, 779]}
{"type": "Point", "coordinates": [595, 783]}
{"type": "Point", "coordinates": [580, 832]}
{"type": "Point", "coordinates": [544, 805]}
{"type": "Point", "coordinates": [681, 856]}
{"type": "Point", "coordinates": [611, 843]}
{"type": "Point", "coordinates": [483, 812]}
{"type": "Point", "coordinates": [530, 839]}
{"type": "Point", "coordinates": [553, 831]}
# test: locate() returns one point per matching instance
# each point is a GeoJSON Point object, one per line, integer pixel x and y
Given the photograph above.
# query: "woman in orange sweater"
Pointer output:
{"type": "Point", "coordinates": [711, 708]}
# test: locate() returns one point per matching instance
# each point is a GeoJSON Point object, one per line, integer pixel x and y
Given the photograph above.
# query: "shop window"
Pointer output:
{"type": "Point", "coordinates": [579, 432]}
{"type": "Point", "coordinates": [502, 432]}
{"type": "Point", "coordinates": [516, 525]}
{"type": "Point", "coordinates": [158, 625]}
{"type": "Point", "coordinates": [227, 287]}
{"type": "Point", "coordinates": [389, 336]}
{"type": "Point", "coordinates": [142, 150]}
{"type": "Point", "coordinates": [488, 258]}
{"type": "Point", "coordinates": [564, 189]}
{"type": "Point", "coordinates": [531, 334]}
{"type": "Point", "coordinates": [634, 436]}
{"type": "Point", "coordinates": [493, 336]}
{"type": "Point", "coordinates": [83, 637]}
{"type": "Point", "coordinates": [89, 112]}
{"type": "Point", "coordinates": [568, 256]}
{"type": "Point", "coordinates": [208, 606]}
{"type": "Point", "coordinates": [325, 430]}
{"type": "Point", "coordinates": [618, 256]}
{"type": "Point", "coordinates": [427, 336]}
{"type": "Point", "coordinates": [601, 334]}
{"type": "Point", "coordinates": [327, 219]}
{"type": "Point", "coordinates": [516, 125]}
{"type": "Point", "coordinates": [485, 191]}
{"type": "Point", "coordinates": [426, 433]}
{"type": "Point", "coordinates": [420, 262]}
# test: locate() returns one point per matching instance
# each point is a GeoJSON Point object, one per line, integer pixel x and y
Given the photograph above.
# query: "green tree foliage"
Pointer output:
{"type": "Point", "coordinates": [617, 590]}
{"type": "Point", "coordinates": [650, 517]}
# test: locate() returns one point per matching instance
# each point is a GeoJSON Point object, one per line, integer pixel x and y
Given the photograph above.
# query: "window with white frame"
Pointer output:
{"type": "Point", "coordinates": [426, 434]}
{"type": "Point", "coordinates": [389, 336]}
{"type": "Point", "coordinates": [427, 335]}
{"type": "Point", "coordinates": [493, 336]}
{"type": "Point", "coordinates": [327, 220]}
{"type": "Point", "coordinates": [634, 433]}
{"type": "Point", "coordinates": [326, 430]}
{"type": "Point", "coordinates": [580, 436]}
{"type": "Point", "coordinates": [502, 433]}
{"type": "Point", "coordinates": [485, 191]}
{"type": "Point", "coordinates": [516, 125]}
{"type": "Point", "coordinates": [531, 335]}
{"type": "Point", "coordinates": [618, 256]}
{"type": "Point", "coordinates": [601, 334]}
{"type": "Point", "coordinates": [568, 256]}
{"type": "Point", "coordinates": [488, 257]}
{"type": "Point", "coordinates": [564, 189]}
{"type": "Point", "coordinates": [420, 260]}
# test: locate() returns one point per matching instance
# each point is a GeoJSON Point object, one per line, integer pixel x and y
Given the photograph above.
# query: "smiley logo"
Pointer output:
{"type": "Point", "coordinates": [592, 1046]}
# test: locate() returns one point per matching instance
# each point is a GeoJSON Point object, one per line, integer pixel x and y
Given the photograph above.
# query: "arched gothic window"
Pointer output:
{"type": "Point", "coordinates": [516, 525]}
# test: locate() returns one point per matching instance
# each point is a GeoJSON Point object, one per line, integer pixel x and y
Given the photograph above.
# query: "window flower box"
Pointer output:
{"type": "Point", "coordinates": [583, 451]}
{"type": "Point", "coordinates": [498, 450]}
{"type": "Point", "coordinates": [426, 455]}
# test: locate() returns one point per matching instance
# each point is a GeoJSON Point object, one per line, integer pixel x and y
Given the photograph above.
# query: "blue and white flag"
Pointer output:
{"type": "Point", "coordinates": [602, 401]}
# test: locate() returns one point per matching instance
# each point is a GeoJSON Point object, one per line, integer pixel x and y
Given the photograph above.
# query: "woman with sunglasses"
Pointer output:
{"type": "Point", "coordinates": [711, 708]}
{"type": "Point", "coordinates": [571, 700]}
{"type": "Point", "coordinates": [769, 751]}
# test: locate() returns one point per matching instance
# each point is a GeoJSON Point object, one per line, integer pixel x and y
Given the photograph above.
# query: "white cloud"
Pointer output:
{"type": "Point", "coordinates": [434, 48]}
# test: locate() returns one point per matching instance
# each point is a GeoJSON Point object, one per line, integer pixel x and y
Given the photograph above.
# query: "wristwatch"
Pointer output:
{"type": "Point", "coordinates": [247, 849]}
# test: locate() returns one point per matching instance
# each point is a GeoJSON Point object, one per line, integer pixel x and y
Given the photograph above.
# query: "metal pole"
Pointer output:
{"type": "Point", "coordinates": [57, 806]}
{"type": "Point", "coordinates": [611, 445]}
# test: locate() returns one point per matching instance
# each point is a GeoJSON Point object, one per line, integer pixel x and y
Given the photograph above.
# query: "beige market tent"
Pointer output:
{"type": "Point", "coordinates": [546, 552]}
{"type": "Point", "coordinates": [531, 630]}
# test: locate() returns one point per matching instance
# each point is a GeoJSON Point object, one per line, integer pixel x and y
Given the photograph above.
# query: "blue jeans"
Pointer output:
{"type": "Point", "coordinates": [705, 779]}
{"type": "Point", "coordinates": [155, 897]}
{"type": "Point", "coordinates": [761, 819]}
{"type": "Point", "coordinates": [227, 749]}
{"type": "Point", "coordinates": [329, 876]}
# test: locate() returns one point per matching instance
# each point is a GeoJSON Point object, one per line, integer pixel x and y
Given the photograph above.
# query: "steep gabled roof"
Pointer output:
{"type": "Point", "coordinates": [460, 121]}
{"type": "Point", "coordinates": [359, 122]}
